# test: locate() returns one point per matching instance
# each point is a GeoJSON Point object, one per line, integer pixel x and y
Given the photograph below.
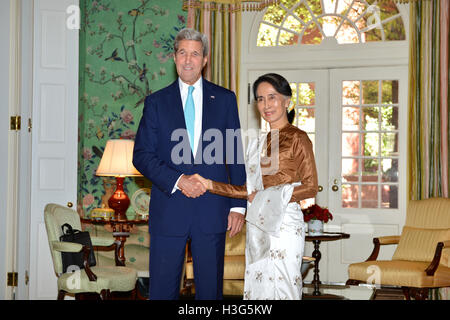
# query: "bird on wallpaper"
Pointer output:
{"type": "Point", "coordinates": [143, 72]}
{"type": "Point", "coordinates": [148, 53]}
{"type": "Point", "coordinates": [135, 12]}
{"type": "Point", "coordinates": [99, 133]}
{"type": "Point", "coordinates": [114, 56]}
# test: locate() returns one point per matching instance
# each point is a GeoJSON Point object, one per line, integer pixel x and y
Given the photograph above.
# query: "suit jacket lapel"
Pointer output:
{"type": "Point", "coordinates": [176, 106]}
{"type": "Point", "coordinates": [207, 106]}
{"type": "Point", "coordinates": [207, 109]}
{"type": "Point", "coordinates": [176, 110]}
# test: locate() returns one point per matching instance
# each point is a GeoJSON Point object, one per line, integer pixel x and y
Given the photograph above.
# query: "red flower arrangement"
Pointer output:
{"type": "Point", "coordinates": [316, 212]}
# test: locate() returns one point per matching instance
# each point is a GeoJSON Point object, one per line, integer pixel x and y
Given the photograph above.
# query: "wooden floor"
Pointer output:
{"type": "Point", "coordinates": [388, 294]}
{"type": "Point", "coordinates": [329, 292]}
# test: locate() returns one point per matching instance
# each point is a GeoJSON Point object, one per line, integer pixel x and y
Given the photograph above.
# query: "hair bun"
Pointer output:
{"type": "Point", "coordinates": [291, 115]}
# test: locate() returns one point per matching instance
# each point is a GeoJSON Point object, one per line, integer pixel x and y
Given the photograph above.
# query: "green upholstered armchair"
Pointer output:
{"type": "Point", "coordinates": [102, 280]}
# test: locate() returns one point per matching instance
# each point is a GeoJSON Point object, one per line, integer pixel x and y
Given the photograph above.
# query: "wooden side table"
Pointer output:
{"type": "Point", "coordinates": [121, 230]}
{"type": "Point", "coordinates": [316, 240]}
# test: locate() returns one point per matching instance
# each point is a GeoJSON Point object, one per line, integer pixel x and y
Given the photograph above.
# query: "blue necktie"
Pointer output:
{"type": "Point", "coordinates": [189, 116]}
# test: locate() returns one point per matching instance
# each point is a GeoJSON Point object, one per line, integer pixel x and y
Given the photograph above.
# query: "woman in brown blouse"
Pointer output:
{"type": "Point", "coordinates": [273, 259]}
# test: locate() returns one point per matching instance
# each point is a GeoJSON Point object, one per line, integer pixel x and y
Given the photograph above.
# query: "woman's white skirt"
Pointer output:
{"type": "Point", "coordinates": [276, 276]}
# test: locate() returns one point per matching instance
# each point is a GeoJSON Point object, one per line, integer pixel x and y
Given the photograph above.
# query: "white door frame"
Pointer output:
{"type": "Point", "coordinates": [14, 142]}
{"type": "Point", "coordinates": [6, 263]}
{"type": "Point", "coordinates": [24, 197]}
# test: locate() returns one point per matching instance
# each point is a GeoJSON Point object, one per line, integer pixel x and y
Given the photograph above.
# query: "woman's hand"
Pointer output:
{"type": "Point", "coordinates": [207, 183]}
{"type": "Point", "coordinates": [251, 196]}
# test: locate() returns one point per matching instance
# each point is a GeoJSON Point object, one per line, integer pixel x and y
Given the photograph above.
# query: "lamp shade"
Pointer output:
{"type": "Point", "coordinates": [117, 159]}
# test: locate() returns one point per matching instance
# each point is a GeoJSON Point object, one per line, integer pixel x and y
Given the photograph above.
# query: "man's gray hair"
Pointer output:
{"type": "Point", "coordinates": [191, 34]}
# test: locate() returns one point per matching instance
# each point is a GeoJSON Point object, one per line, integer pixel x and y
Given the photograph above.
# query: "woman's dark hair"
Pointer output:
{"type": "Point", "coordinates": [280, 84]}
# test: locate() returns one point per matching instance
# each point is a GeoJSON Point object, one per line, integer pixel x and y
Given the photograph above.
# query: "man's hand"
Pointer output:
{"type": "Point", "coordinates": [191, 187]}
{"type": "Point", "coordinates": [235, 223]}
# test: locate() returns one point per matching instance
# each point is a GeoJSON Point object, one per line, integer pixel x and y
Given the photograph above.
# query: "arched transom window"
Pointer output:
{"type": "Point", "coordinates": [310, 22]}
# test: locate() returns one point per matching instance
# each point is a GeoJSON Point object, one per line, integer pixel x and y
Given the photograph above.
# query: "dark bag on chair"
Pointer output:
{"type": "Point", "coordinates": [76, 258]}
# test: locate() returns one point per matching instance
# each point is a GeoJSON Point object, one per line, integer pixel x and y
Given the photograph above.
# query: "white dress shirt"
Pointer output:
{"type": "Point", "coordinates": [197, 95]}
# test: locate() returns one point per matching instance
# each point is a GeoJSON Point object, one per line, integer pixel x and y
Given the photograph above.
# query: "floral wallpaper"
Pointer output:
{"type": "Point", "coordinates": [125, 54]}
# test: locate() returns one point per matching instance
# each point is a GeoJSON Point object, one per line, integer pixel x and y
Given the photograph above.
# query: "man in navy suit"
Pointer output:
{"type": "Point", "coordinates": [186, 128]}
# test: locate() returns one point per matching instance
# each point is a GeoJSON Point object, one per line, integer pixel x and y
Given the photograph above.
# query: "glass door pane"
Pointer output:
{"type": "Point", "coordinates": [369, 139]}
{"type": "Point", "coordinates": [365, 132]}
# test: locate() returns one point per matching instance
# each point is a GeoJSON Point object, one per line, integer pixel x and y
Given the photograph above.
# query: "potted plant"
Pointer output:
{"type": "Point", "coordinates": [316, 216]}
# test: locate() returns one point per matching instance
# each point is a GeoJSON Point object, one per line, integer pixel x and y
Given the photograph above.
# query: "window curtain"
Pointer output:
{"type": "Point", "coordinates": [429, 105]}
{"type": "Point", "coordinates": [429, 99]}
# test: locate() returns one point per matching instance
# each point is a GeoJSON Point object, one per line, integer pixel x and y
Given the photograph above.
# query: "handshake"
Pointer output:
{"type": "Point", "coordinates": [194, 186]}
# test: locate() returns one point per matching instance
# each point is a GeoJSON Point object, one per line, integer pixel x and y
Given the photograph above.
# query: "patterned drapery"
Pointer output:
{"type": "Point", "coordinates": [428, 100]}
{"type": "Point", "coordinates": [254, 5]}
{"type": "Point", "coordinates": [229, 5]}
{"type": "Point", "coordinates": [223, 28]}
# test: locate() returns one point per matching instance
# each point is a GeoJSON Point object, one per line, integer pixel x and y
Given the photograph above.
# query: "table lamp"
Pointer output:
{"type": "Point", "coordinates": [117, 162]}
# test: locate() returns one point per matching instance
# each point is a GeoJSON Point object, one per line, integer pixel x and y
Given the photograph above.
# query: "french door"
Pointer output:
{"type": "Point", "coordinates": [356, 119]}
